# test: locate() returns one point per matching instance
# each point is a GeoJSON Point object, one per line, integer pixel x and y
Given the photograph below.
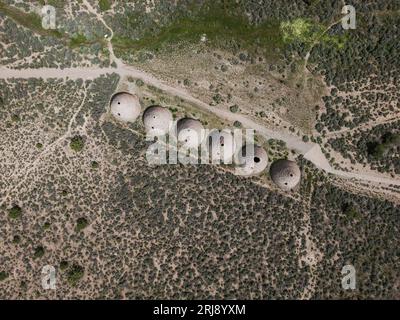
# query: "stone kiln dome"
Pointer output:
{"type": "Point", "coordinates": [125, 106]}
{"type": "Point", "coordinates": [190, 132]}
{"type": "Point", "coordinates": [252, 164]}
{"type": "Point", "coordinates": [285, 174]}
{"type": "Point", "coordinates": [157, 120]}
{"type": "Point", "coordinates": [221, 146]}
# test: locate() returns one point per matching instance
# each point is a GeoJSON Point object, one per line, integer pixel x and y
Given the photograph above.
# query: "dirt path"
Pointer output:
{"type": "Point", "coordinates": [293, 142]}
{"type": "Point", "coordinates": [367, 125]}
{"type": "Point", "coordinates": [311, 151]}
{"type": "Point", "coordinates": [316, 41]}
{"type": "Point", "coordinates": [109, 37]}
{"type": "Point", "coordinates": [312, 255]}
{"type": "Point", "coordinates": [22, 174]}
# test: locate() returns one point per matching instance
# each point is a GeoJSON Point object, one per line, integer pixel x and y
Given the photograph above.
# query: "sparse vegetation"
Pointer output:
{"type": "Point", "coordinates": [39, 252]}
{"type": "Point", "coordinates": [16, 239]}
{"type": "Point", "coordinates": [77, 143]}
{"type": "Point", "coordinates": [380, 149]}
{"type": "Point", "coordinates": [350, 211]}
{"type": "Point", "coordinates": [104, 5]}
{"type": "Point", "coordinates": [308, 32]}
{"type": "Point", "coordinates": [81, 223]}
{"type": "Point", "coordinates": [64, 265]}
{"type": "Point", "coordinates": [234, 108]}
{"type": "Point", "coordinates": [220, 24]}
{"type": "Point", "coordinates": [226, 236]}
{"type": "Point", "coordinates": [29, 20]}
{"type": "Point", "coordinates": [237, 124]}
{"type": "Point", "coordinates": [15, 212]}
{"type": "Point", "coordinates": [75, 273]}
{"type": "Point", "coordinates": [375, 147]}
{"type": "Point", "coordinates": [77, 41]}
{"type": "Point", "coordinates": [3, 275]}
{"type": "Point", "coordinates": [94, 164]}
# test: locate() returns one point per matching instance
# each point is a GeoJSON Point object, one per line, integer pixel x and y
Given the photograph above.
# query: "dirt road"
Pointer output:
{"type": "Point", "coordinates": [311, 151]}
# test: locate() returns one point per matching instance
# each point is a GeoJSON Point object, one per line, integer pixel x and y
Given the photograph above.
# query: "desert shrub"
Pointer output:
{"type": "Point", "coordinates": [81, 223]}
{"type": "Point", "coordinates": [16, 239]}
{"type": "Point", "coordinates": [95, 164]}
{"type": "Point", "coordinates": [217, 98]}
{"type": "Point", "coordinates": [104, 5]}
{"type": "Point", "coordinates": [3, 275]}
{"type": "Point", "coordinates": [64, 265]}
{"type": "Point", "coordinates": [39, 252]}
{"type": "Point", "coordinates": [75, 274]}
{"type": "Point", "coordinates": [15, 212]}
{"type": "Point", "coordinates": [237, 124]}
{"type": "Point", "coordinates": [350, 211]}
{"type": "Point", "coordinates": [77, 143]}
{"type": "Point", "coordinates": [77, 41]}
{"type": "Point", "coordinates": [234, 108]}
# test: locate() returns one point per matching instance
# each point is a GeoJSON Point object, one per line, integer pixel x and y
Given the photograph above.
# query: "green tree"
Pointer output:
{"type": "Point", "coordinates": [104, 5]}
{"type": "Point", "coordinates": [234, 108]}
{"type": "Point", "coordinates": [75, 274]}
{"type": "Point", "coordinates": [81, 223]}
{"type": "Point", "coordinates": [350, 211]}
{"type": "Point", "coordinates": [39, 252]}
{"type": "Point", "coordinates": [237, 124]}
{"type": "Point", "coordinates": [16, 239]}
{"type": "Point", "coordinates": [64, 265]}
{"type": "Point", "coordinates": [77, 143]}
{"type": "Point", "coordinates": [15, 212]}
{"type": "Point", "coordinates": [3, 275]}
{"type": "Point", "coordinates": [95, 164]}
